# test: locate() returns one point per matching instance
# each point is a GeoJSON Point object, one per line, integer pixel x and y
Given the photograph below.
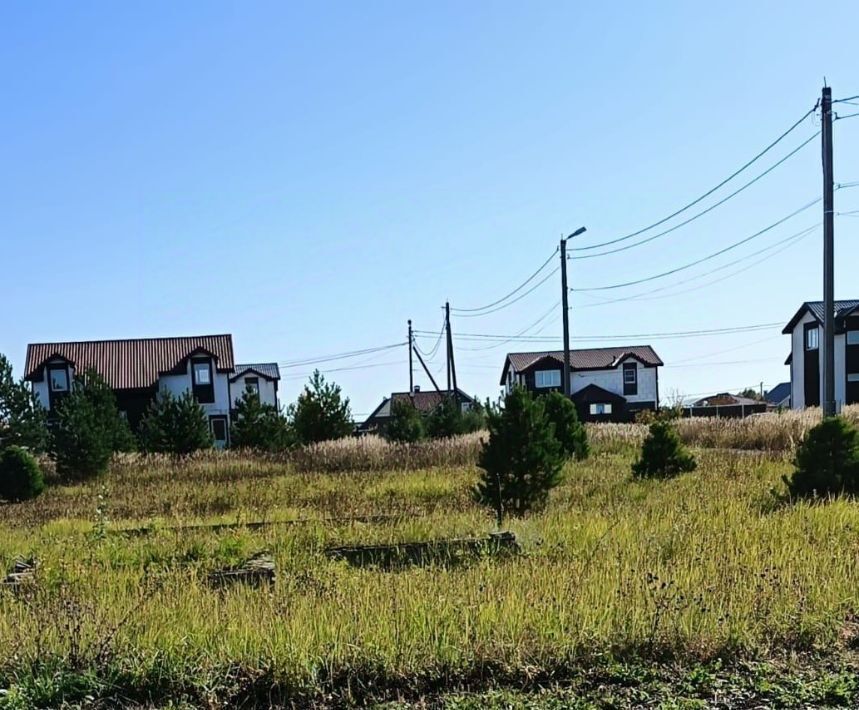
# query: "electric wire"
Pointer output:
{"type": "Point", "coordinates": [340, 356]}
{"type": "Point", "coordinates": [724, 250]}
{"type": "Point", "coordinates": [513, 292]}
{"type": "Point", "coordinates": [515, 300]}
{"type": "Point", "coordinates": [706, 194]}
{"type": "Point", "coordinates": [699, 214]}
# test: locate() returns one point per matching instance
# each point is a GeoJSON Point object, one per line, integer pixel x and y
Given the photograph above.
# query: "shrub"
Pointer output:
{"type": "Point", "coordinates": [259, 426]}
{"type": "Point", "coordinates": [22, 418]}
{"type": "Point", "coordinates": [406, 424]}
{"type": "Point", "coordinates": [569, 431]}
{"type": "Point", "coordinates": [662, 453]}
{"type": "Point", "coordinates": [522, 461]}
{"type": "Point", "coordinates": [20, 475]}
{"type": "Point", "coordinates": [827, 460]}
{"type": "Point", "coordinates": [321, 412]}
{"type": "Point", "coordinates": [88, 429]}
{"type": "Point", "coordinates": [175, 425]}
{"type": "Point", "coordinates": [448, 419]}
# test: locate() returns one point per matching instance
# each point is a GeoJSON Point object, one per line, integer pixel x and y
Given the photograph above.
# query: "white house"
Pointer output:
{"type": "Point", "coordinates": [607, 384]}
{"type": "Point", "coordinates": [137, 369]}
{"type": "Point", "coordinates": [261, 378]}
{"type": "Point", "coordinates": [807, 354]}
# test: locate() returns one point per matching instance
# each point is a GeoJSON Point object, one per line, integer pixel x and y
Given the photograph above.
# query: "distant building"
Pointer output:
{"type": "Point", "coordinates": [607, 384]}
{"type": "Point", "coordinates": [806, 354]}
{"type": "Point", "coordinates": [138, 369]}
{"type": "Point", "coordinates": [725, 405]}
{"type": "Point", "coordinates": [424, 401]}
{"type": "Point", "coordinates": [261, 378]}
{"type": "Point", "coordinates": [779, 396]}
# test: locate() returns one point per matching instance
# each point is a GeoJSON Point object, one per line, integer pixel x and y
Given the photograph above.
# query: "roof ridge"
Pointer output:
{"type": "Point", "coordinates": [129, 340]}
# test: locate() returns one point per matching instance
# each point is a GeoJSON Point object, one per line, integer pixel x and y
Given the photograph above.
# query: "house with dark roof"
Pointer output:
{"type": "Point", "coordinates": [806, 354]}
{"type": "Point", "coordinates": [607, 384]}
{"type": "Point", "coordinates": [725, 405]}
{"type": "Point", "coordinates": [779, 396]}
{"type": "Point", "coordinates": [138, 369]}
{"type": "Point", "coordinates": [260, 378]}
{"type": "Point", "coordinates": [424, 401]}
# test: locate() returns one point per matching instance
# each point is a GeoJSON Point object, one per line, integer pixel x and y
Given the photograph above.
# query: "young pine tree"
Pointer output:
{"type": "Point", "coordinates": [663, 454]}
{"type": "Point", "coordinates": [321, 412]}
{"type": "Point", "coordinates": [406, 424]}
{"type": "Point", "coordinates": [89, 428]}
{"type": "Point", "coordinates": [20, 475]}
{"type": "Point", "coordinates": [259, 426]}
{"type": "Point", "coordinates": [22, 418]}
{"type": "Point", "coordinates": [522, 461]}
{"type": "Point", "coordinates": [569, 430]}
{"type": "Point", "coordinates": [175, 425]}
{"type": "Point", "coordinates": [827, 460]}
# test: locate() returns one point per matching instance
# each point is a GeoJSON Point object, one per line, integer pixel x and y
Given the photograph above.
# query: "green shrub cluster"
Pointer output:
{"type": "Point", "coordinates": [662, 453]}
{"type": "Point", "coordinates": [259, 426]}
{"type": "Point", "coordinates": [20, 475]}
{"type": "Point", "coordinates": [175, 425]}
{"type": "Point", "coordinates": [827, 460]}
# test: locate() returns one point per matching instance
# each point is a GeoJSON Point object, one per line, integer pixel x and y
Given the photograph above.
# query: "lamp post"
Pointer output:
{"type": "Point", "coordinates": [566, 314]}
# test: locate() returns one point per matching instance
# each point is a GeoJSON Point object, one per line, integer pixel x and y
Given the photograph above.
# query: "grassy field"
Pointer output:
{"type": "Point", "coordinates": [709, 588]}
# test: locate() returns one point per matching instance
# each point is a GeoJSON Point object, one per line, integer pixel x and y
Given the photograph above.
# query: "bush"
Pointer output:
{"type": "Point", "coordinates": [88, 430]}
{"type": "Point", "coordinates": [569, 431]}
{"type": "Point", "coordinates": [20, 475]}
{"type": "Point", "coordinates": [827, 460]}
{"type": "Point", "coordinates": [321, 413]}
{"type": "Point", "coordinates": [406, 424]}
{"type": "Point", "coordinates": [259, 426]}
{"type": "Point", "coordinates": [448, 419]}
{"type": "Point", "coordinates": [522, 461]}
{"type": "Point", "coordinates": [175, 425]}
{"type": "Point", "coordinates": [22, 418]}
{"type": "Point", "coordinates": [662, 453]}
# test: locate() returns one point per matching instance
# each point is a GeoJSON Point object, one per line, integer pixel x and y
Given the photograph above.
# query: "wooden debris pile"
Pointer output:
{"type": "Point", "coordinates": [22, 572]}
{"type": "Point", "coordinates": [255, 572]}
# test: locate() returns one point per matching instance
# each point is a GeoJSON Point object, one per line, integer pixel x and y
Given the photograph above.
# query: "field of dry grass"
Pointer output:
{"type": "Point", "coordinates": [711, 565]}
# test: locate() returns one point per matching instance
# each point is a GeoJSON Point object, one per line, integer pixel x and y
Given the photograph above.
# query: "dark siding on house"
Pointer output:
{"type": "Point", "coordinates": [851, 361]}
{"type": "Point", "coordinates": [811, 371]}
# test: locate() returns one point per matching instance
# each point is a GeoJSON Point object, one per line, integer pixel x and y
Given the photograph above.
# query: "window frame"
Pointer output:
{"type": "Point", "coordinates": [58, 368]}
{"type": "Point", "coordinates": [808, 332]}
{"type": "Point", "coordinates": [600, 409]}
{"type": "Point", "coordinates": [847, 337]}
{"type": "Point", "coordinates": [204, 392]}
{"type": "Point", "coordinates": [541, 374]}
{"type": "Point", "coordinates": [220, 419]}
{"type": "Point", "coordinates": [252, 383]}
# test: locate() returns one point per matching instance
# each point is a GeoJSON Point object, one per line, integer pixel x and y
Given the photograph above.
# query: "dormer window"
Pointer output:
{"type": "Point", "coordinates": [59, 379]}
{"type": "Point", "coordinates": [812, 338]}
{"type": "Point", "coordinates": [201, 379]}
{"type": "Point", "coordinates": [252, 384]}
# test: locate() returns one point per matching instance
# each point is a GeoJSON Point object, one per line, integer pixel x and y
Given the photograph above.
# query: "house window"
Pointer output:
{"type": "Point", "coordinates": [547, 378]}
{"type": "Point", "coordinates": [201, 380]}
{"type": "Point", "coordinates": [600, 408]}
{"type": "Point", "coordinates": [630, 378]}
{"type": "Point", "coordinates": [252, 384]}
{"type": "Point", "coordinates": [812, 338]}
{"type": "Point", "coordinates": [219, 429]}
{"type": "Point", "coordinates": [853, 337]}
{"type": "Point", "coordinates": [59, 379]}
{"type": "Point", "coordinates": [853, 377]}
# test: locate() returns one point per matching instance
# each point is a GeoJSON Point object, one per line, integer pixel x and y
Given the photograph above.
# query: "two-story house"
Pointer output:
{"type": "Point", "coordinates": [807, 352]}
{"type": "Point", "coordinates": [261, 378]}
{"type": "Point", "coordinates": [607, 384]}
{"type": "Point", "coordinates": [138, 369]}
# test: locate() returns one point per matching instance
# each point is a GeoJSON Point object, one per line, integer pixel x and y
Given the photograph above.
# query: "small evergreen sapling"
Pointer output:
{"type": "Point", "coordinates": [827, 460]}
{"type": "Point", "coordinates": [259, 426]}
{"type": "Point", "coordinates": [663, 454]}
{"type": "Point", "coordinates": [22, 418]}
{"type": "Point", "coordinates": [522, 461]}
{"type": "Point", "coordinates": [175, 425]}
{"type": "Point", "coordinates": [569, 430]}
{"type": "Point", "coordinates": [20, 475]}
{"type": "Point", "coordinates": [406, 424]}
{"type": "Point", "coordinates": [321, 412]}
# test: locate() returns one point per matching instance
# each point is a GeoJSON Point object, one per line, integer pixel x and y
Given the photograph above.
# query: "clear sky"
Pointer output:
{"type": "Point", "coordinates": [309, 176]}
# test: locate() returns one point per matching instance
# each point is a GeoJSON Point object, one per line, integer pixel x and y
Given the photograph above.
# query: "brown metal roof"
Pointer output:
{"type": "Point", "coordinates": [131, 364]}
{"type": "Point", "coordinates": [583, 359]}
{"type": "Point", "coordinates": [427, 400]}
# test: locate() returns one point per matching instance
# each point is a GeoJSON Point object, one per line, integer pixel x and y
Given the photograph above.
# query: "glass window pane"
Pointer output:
{"type": "Point", "coordinates": [853, 337]}
{"type": "Point", "coordinates": [59, 380]}
{"type": "Point", "coordinates": [201, 373]}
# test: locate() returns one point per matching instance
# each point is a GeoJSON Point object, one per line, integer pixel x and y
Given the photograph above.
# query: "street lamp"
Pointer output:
{"type": "Point", "coordinates": [566, 314]}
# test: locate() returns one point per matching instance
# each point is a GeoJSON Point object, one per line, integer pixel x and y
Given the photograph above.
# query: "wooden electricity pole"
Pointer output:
{"type": "Point", "coordinates": [411, 360]}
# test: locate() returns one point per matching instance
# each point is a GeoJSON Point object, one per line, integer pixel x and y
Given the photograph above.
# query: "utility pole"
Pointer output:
{"type": "Point", "coordinates": [451, 363]}
{"type": "Point", "coordinates": [566, 316]}
{"type": "Point", "coordinates": [567, 385]}
{"type": "Point", "coordinates": [411, 361]}
{"type": "Point", "coordinates": [828, 256]}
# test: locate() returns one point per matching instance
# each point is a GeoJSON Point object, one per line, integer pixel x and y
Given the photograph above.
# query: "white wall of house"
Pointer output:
{"type": "Point", "coordinates": [267, 389]}
{"type": "Point", "coordinates": [177, 385]}
{"type": "Point", "coordinates": [612, 381]}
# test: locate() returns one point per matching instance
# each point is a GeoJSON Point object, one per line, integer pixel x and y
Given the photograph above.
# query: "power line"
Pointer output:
{"type": "Point", "coordinates": [787, 242]}
{"type": "Point", "coordinates": [706, 258]}
{"type": "Point", "coordinates": [693, 217]}
{"type": "Point", "coordinates": [537, 322]}
{"type": "Point", "coordinates": [302, 375]}
{"type": "Point", "coordinates": [515, 300]}
{"type": "Point", "coordinates": [513, 292]}
{"type": "Point", "coordinates": [340, 356]}
{"type": "Point", "coordinates": [706, 194]}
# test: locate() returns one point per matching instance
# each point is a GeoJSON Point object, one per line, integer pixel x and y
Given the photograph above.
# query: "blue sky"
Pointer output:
{"type": "Point", "coordinates": [309, 176]}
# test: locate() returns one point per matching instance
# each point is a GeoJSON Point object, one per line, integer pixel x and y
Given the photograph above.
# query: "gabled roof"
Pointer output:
{"type": "Point", "coordinates": [842, 310]}
{"type": "Point", "coordinates": [779, 393]}
{"type": "Point", "coordinates": [424, 401]}
{"type": "Point", "coordinates": [595, 393]}
{"type": "Point", "coordinates": [725, 399]}
{"type": "Point", "coordinates": [268, 370]}
{"type": "Point", "coordinates": [583, 359]}
{"type": "Point", "coordinates": [131, 364]}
